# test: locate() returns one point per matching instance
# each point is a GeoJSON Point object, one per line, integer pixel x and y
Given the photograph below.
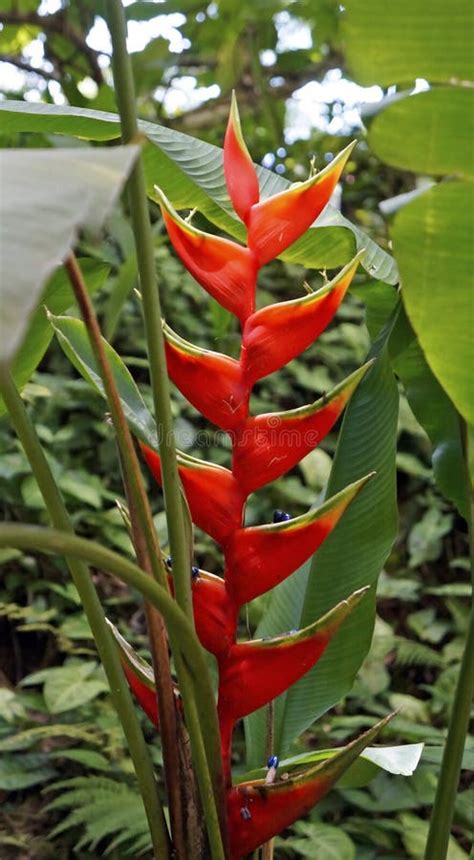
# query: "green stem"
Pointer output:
{"type": "Point", "coordinates": [125, 94]}
{"type": "Point", "coordinates": [70, 546]}
{"type": "Point", "coordinates": [120, 693]}
{"type": "Point", "coordinates": [446, 790]}
{"type": "Point", "coordinates": [180, 551]}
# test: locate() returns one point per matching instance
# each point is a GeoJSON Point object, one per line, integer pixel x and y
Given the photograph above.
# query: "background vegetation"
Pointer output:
{"type": "Point", "coordinates": [298, 74]}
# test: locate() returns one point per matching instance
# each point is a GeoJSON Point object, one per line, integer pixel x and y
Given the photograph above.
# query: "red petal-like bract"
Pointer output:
{"type": "Point", "coordinates": [257, 811]}
{"type": "Point", "coordinates": [145, 695]}
{"type": "Point", "coordinates": [260, 557]}
{"type": "Point", "coordinates": [139, 675]}
{"type": "Point", "coordinates": [226, 270]}
{"type": "Point", "coordinates": [239, 169]}
{"type": "Point", "coordinates": [266, 668]}
{"type": "Point", "coordinates": [267, 446]}
{"type": "Point", "coordinates": [215, 615]}
{"type": "Point", "coordinates": [278, 333]}
{"type": "Point", "coordinates": [214, 496]}
{"type": "Point", "coordinates": [275, 223]}
{"type": "Point", "coordinates": [211, 381]}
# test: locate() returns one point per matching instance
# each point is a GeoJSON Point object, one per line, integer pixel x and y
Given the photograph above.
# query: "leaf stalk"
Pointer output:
{"type": "Point", "coordinates": [80, 574]}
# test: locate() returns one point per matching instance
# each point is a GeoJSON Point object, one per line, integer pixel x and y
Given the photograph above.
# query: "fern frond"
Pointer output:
{"type": "Point", "coordinates": [407, 652]}
{"type": "Point", "coordinates": [108, 812]}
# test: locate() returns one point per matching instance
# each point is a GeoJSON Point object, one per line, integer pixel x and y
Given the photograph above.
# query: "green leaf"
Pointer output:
{"type": "Point", "coordinates": [434, 410]}
{"type": "Point", "coordinates": [68, 687]}
{"type": "Point", "coordinates": [415, 833]}
{"type": "Point", "coordinates": [430, 132]}
{"type": "Point", "coordinates": [72, 335]}
{"type": "Point", "coordinates": [96, 804]}
{"type": "Point", "coordinates": [58, 297]}
{"type": "Point", "coordinates": [22, 771]}
{"type": "Point", "coordinates": [432, 238]}
{"type": "Point", "coordinates": [190, 172]}
{"type": "Point", "coordinates": [41, 219]}
{"type": "Point", "coordinates": [89, 758]}
{"type": "Point", "coordinates": [320, 840]}
{"type": "Point", "coordinates": [408, 41]}
{"type": "Point", "coordinates": [30, 737]}
{"type": "Point", "coordinates": [351, 557]}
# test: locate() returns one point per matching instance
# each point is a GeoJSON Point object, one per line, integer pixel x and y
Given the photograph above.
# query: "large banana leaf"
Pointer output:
{"type": "Point", "coordinates": [190, 173]}
{"type": "Point", "coordinates": [58, 297]}
{"type": "Point", "coordinates": [432, 239]}
{"type": "Point", "coordinates": [430, 132]}
{"type": "Point", "coordinates": [47, 196]}
{"type": "Point", "coordinates": [398, 42]}
{"type": "Point", "coordinates": [434, 410]}
{"type": "Point", "coordinates": [351, 557]}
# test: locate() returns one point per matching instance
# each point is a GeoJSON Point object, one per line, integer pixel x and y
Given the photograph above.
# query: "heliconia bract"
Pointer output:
{"type": "Point", "coordinates": [264, 447]}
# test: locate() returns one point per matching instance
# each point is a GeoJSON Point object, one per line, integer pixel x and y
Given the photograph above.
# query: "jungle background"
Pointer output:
{"type": "Point", "coordinates": [61, 748]}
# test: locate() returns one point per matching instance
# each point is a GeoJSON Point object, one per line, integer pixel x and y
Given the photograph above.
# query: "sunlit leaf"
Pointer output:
{"type": "Point", "coordinates": [41, 219]}
{"type": "Point", "coordinates": [437, 283]}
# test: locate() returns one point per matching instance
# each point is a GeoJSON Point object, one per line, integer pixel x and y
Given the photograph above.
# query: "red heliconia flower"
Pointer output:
{"type": "Point", "coordinates": [278, 333]}
{"type": "Point", "coordinates": [239, 169]}
{"type": "Point", "coordinates": [277, 222]}
{"type": "Point", "coordinates": [226, 270]}
{"type": "Point", "coordinates": [260, 557]}
{"type": "Point", "coordinates": [267, 446]}
{"type": "Point", "coordinates": [258, 811]}
{"type": "Point", "coordinates": [214, 496]}
{"type": "Point", "coordinates": [211, 381]}
{"type": "Point", "coordinates": [264, 447]}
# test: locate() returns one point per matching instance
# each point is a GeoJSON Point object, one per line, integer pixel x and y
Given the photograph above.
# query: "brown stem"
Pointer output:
{"type": "Point", "coordinates": [27, 67]}
{"type": "Point", "coordinates": [148, 553]}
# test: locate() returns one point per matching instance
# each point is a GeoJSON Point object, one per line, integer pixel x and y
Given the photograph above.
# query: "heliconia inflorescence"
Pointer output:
{"type": "Point", "coordinates": [264, 447]}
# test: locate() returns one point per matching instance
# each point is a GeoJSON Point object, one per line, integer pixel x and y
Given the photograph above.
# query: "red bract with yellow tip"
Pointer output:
{"type": "Point", "coordinates": [264, 447]}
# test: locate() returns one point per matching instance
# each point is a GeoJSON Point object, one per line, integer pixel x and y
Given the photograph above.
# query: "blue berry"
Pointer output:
{"type": "Point", "coordinates": [194, 572]}
{"type": "Point", "coordinates": [281, 516]}
{"type": "Point", "coordinates": [169, 562]}
{"type": "Point", "coordinates": [272, 761]}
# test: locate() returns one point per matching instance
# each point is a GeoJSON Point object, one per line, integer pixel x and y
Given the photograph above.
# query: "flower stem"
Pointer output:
{"type": "Point", "coordinates": [443, 807]}
{"type": "Point", "coordinates": [125, 94]}
{"type": "Point", "coordinates": [120, 693]}
{"type": "Point", "coordinates": [149, 557]}
{"type": "Point", "coordinates": [180, 550]}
